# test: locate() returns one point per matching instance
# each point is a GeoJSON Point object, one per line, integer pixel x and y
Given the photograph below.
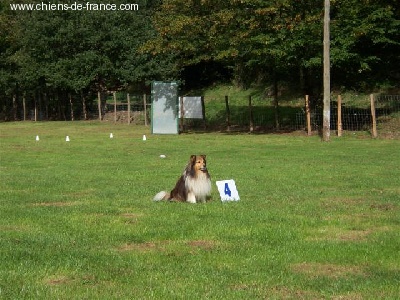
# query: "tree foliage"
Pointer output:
{"type": "Point", "coordinates": [255, 37]}
{"type": "Point", "coordinates": [82, 51]}
{"type": "Point", "coordinates": [72, 51]}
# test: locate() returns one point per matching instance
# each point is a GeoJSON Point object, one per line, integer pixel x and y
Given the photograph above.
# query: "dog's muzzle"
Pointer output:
{"type": "Point", "coordinates": [203, 169]}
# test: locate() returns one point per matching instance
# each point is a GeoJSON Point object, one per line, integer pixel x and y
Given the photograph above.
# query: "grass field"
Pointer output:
{"type": "Point", "coordinates": [315, 220]}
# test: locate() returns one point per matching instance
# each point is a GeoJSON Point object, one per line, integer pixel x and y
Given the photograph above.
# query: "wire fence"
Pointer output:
{"type": "Point", "coordinates": [354, 117]}
{"type": "Point", "coordinates": [240, 115]}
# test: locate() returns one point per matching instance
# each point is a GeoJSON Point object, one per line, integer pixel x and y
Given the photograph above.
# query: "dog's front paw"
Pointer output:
{"type": "Point", "coordinates": [191, 198]}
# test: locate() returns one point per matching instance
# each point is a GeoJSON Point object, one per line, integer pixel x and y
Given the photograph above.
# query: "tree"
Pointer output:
{"type": "Point", "coordinates": [365, 40]}
{"type": "Point", "coordinates": [77, 52]}
{"type": "Point", "coordinates": [254, 36]}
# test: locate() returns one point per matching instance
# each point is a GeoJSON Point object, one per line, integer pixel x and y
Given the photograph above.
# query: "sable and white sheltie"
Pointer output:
{"type": "Point", "coordinates": [193, 186]}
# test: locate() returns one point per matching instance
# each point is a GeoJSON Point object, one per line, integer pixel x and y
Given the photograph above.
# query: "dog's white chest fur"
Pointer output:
{"type": "Point", "coordinates": [198, 188]}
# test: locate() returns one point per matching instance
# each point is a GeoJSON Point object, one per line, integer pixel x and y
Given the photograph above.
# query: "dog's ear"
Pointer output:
{"type": "Point", "coordinates": [192, 158]}
{"type": "Point", "coordinates": [203, 156]}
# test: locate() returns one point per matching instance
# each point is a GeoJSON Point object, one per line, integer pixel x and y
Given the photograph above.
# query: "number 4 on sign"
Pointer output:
{"type": "Point", "coordinates": [227, 190]}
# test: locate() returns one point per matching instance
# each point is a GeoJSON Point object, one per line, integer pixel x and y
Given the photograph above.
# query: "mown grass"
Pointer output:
{"type": "Point", "coordinates": [315, 220]}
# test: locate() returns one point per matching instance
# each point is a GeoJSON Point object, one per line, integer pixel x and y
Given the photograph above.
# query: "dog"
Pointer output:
{"type": "Point", "coordinates": [193, 186]}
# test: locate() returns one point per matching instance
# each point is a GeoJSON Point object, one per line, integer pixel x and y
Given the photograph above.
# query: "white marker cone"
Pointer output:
{"type": "Point", "coordinates": [144, 137]}
{"type": "Point", "coordinates": [37, 138]}
{"type": "Point", "coordinates": [67, 138]}
{"type": "Point", "coordinates": [111, 136]}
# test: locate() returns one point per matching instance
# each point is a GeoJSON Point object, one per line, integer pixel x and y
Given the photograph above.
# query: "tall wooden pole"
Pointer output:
{"type": "Point", "coordinates": [327, 76]}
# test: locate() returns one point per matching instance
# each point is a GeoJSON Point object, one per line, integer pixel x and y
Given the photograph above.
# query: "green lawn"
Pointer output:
{"type": "Point", "coordinates": [77, 221]}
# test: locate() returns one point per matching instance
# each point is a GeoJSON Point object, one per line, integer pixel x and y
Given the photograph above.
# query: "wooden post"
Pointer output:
{"type": "Point", "coordinates": [251, 115]}
{"type": "Point", "coordinates": [72, 106]}
{"type": "Point", "coordinates": [228, 114]}
{"type": "Point", "coordinates": [46, 104]}
{"type": "Point", "coordinates": [181, 114]}
{"type": "Point", "coordinates": [35, 108]}
{"type": "Point", "coordinates": [85, 115]}
{"type": "Point", "coordinates": [115, 107]}
{"type": "Point", "coordinates": [24, 106]}
{"type": "Point", "coordinates": [145, 109]}
{"type": "Point", "coordinates": [203, 110]}
{"type": "Point", "coordinates": [308, 115]}
{"type": "Point", "coordinates": [128, 98]}
{"type": "Point", "coordinates": [40, 114]}
{"type": "Point", "coordinates": [373, 114]}
{"type": "Point", "coordinates": [339, 116]}
{"type": "Point", "coordinates": [276, 102]}
{"type": "Point", "coordinates": [99, 104]}
{"type": "Point", "coordinates": [15, 107]}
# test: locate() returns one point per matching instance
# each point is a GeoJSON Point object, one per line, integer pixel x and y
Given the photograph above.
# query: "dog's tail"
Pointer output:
{"type": "Point", "coordinates": [163, 195]}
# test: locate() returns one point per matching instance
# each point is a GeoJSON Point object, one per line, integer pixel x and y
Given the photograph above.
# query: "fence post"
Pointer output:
{"type": "Point", "coordinates": [145, 109]}
{"type": "Point", "coordinates": [251, 115]}
{"type": "Point", "coordinates": [203, 109]}
{"type": "Point", "coordinates": [308, 115]}
{"type": "Point", "coordinates": [181, 114]}
{"type": "Point", "coordinates": [373, 114]}
{"type": "Point", "coordinates": [339, 115]}
{"type": "Point", "coordinates": [228, 114]}
{"type": "Point", "coordinates": [115, 107]}
{"type": "Point", "coordinates": [84, 106]}
{"type": "Point", "coordinates": [46, 104]}
{"type": "Point", "coordinates": [24, 105]}
{"type": "Point", "coordinates": [128, 98]}
{"type": "Point", "coordinates": [15, 107]}
{"type": "Point", "coordinates": [36, 110]}
{"type": "Point", "coordinates": [99, 104]}
{"type": "Point", "coordinates": [71, 103]}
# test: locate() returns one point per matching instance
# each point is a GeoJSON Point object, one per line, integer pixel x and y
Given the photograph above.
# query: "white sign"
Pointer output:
{"type": "Point", "coordinates": [192, 108]}
{"type": "Point", "coordinates": [227, 190]}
